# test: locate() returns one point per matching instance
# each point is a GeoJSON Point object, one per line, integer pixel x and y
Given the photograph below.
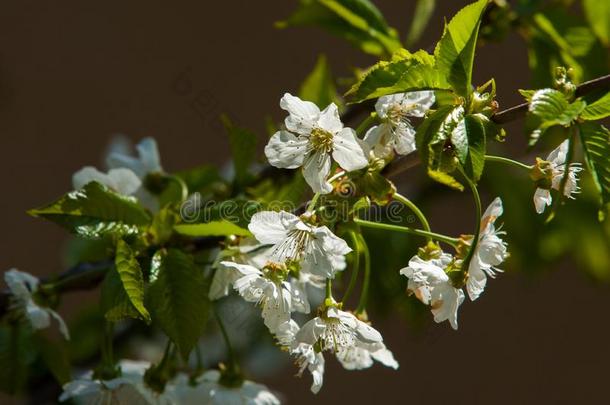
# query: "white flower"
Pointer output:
{"type": "Point", "coordinates": [431, 285]}
{"type": "Point", "coordinates": [270, 291]}
{"type": "Point", "coordinates": [22, 287]}
{"type": "Point", "coordinates": [311, 138]}
{"type": "Point", "coordinates": [146, 163]}
{"type": "Point", "coordinates": [248, 251]}
{"type": "Point", "coordinates": [489, 253]}
{"type": "Point", "coordinates": [248, 393]}
{"type": "Point", "coordinates": [557, 161]}
{"type": "Point", "coordinates": [319, 251]}
{"type": "Point", "coordinates": [396, 133]}
{"type": "Point", "coordinates": [128, 389]}
{"type": "Point", "coordinates": [122, 181]}
{"type": "Point", "coordinates": [148, 160]}
{"type": "Point", "coordinates": [308, 358]}
{"type": "Point", "coordinates": [354, 342]}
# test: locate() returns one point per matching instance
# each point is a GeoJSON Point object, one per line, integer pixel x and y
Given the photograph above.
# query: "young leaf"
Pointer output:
{"type": "Point", "coordinates": [598, 14]}
{"type": "Point", "coordinates": [597, 110]}
{"type": "Point", "coordinates": [431, 137]}
{"type": "Point", "coordinates": [357, 21]}
{"type": "Point", "coordinates": [404, 72]}
{"type": "Point", "coordinates": [201, 178]}
{"type": "Point", "coordinates": [243, 149]}
{"type": "Point", "coordinates": [214, 228]}
{"type": "Point", "coordinates": [553, 108]}
{"type": "Point", "coordinates": [423, 11]}
{"type": "Point", "coordinates": [319, 86]}
{"type": "Point", "coordinates": [476, 132]}
{"type": "Point", "coordinates": [455, 51]}
{"type": "Point", "coordinates": [131, 277]}
{"type": "Point", "coordinates": [595, 139]}
{"type": "Point", "coordinates": [95, 211]}
{"type": "Point", "coordinates": [178, 300]}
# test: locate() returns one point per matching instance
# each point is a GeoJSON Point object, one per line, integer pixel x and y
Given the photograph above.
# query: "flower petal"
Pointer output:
{"type": "Point", "coordinates": [271, 227]}
{"type": "Point", "coordinates": [315, 170]}
{"type": "Point", "coordinates": [285, 150]}
{"type": "Point", "coordinates": [347, 150]}
{"type": "Point", "coordinates": [329, 119]}
{"type": "Point", "coordinates": [404, 139]}
{"type": "Point", "coordinates": [542, 199]}
{"type": "Point", "coordinates": [303, 114]}
{"type": "Point", "coordinates": [124, 181]}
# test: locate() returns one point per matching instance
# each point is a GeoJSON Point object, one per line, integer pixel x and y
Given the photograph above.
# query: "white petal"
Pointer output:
{"type": "Point", "coordinates": [316, 168]}
{"type": "Point", "coordinates": [63, 328]}
{"type": "Point", "coordinates": [39, 317]}
{"type": "Point", "coordinates": [477, 279]}
{"type": "Point", "coordinates": [347, 150]}
{"type": "Point", "coordinates": [558, 156]}
{"type": "Point", "coordinates": [317, 372]}
{"type": "Point", "coordinates": [124, 181]}
{"type": "Point", "coordinates": [149, 156]}
{"type": "Point", "coordinates": [277, 307]}
{"type": "Point", "coordinates": [542, 199]}
{"type": "Point", "coordinates": [385, 357]}
{"type": "Point", "coordinates": [494, 210]}
{"type": "Point", "coordinates": [311, 331]}
{"type": "Point", "coordinates": [89, 174]}
{"type": "Point", "coordinates": [20, 283]}
{"type": "Point", "coordinates": [303, 114]}
{"type": "Point", "coordinates": [270, 227]}
{"type": "Point", "coordinates": [329, 119]}
{"type": "Point", "coordinates": [285, 150]}
{"type": "Point", "coordinates": [420, 100]}
{"type": "Point", "coordinates": [404, 139]}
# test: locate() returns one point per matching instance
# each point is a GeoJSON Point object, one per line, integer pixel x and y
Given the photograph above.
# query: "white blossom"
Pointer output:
{"type": "Point", "coordinates": [490, 251]}
{"type": "Point", "coordinates": [146, 162]}
{"type": "Point", "coordinates": [248, 393]}
{"type": "Point", "coordinates": [311, 138]}
{"type": "Point", "coordinates": [318, 250]}
{"type": "Point", "coordinates": [557, 161]}
{"type": "Point", "coordinates": [362, 357]}
{"type": "Point", "coordinates": [308, 358]}
{"type": "Point", "coordinates": [122, 181]}
{"type": "Point", "coordinates": [270, 291]}
{"type": "Point", "coordinates": [128, 389]}
{"type": "Point", "coordinates": [23, 286]}
{"type": "Point", "coordinates": [247, 251]}
{"type": "Point", "coordinates": [396, 133]}
{"type": "Point", "coordinates": [432, 286]}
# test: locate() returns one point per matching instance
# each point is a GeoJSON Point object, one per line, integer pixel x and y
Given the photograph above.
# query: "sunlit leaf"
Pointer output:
{"type": "Point", "coordinates": [214, 228]}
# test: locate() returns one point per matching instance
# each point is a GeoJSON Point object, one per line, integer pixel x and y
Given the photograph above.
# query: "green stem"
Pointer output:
{"type": "Point", "coordinates": [477, 232]}
{"type": "Point", "coordinates": [367, 275]}
{"type": "Point", "coordinates": [505, 160]}
{"type": "Point", "coordinates": [329, 289]}
{"type": "Point", "coordinates": [368, 121]}
{"type": "Point", "coordinates": [411, 205]}
{"type": "Point", "coordinates": [313, 202]}
{"type": "Point", "coordinates": [225, 336]}
{"type": "Point", "coordinates": [355, 267]}
{"type": "Point", "coordinates": [397, 228]}
{"type": "Point", "coordinates": [183, 187]}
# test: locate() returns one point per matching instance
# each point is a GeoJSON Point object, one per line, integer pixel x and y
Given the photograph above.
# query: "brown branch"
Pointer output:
{"type": "Point", "coordinates": [511, 114]}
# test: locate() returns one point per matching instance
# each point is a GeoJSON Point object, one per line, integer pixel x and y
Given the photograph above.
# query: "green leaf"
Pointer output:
{"type": "Point", "coordinates": [16, 354]}
{"type": "Point", "coordinates": [243, 150]}
{"type": "Point", "coordinates": [178, 300]}
{"type": "Point", "coordinates": [131, 278]}
{"type": "Point", "coordinates": [357, 21]}
{"type": "Point", "coordinates": [404, 72]}
{"type": "Point", "coordinates": [114, 301]}
{"type": "Point", "coordinates": [214, 228]}
{"type": "Point", "coordinates": [319, 86]}
{"type": "Point", "coordinates": [162, 227]}
{"type": "Point", "coordinates": [55, 356]}
{"type": "Point", "coordinates": [95, 211]}
{"type": "Point", "coordinates": [553, 108]}
{"type": "Point", "coordinates": [598, 15]}
{"type": "Point", "coordinates": [431, 137]}
{"type": "Point", "coordinates": [237, 211]}
{"type": "Point", "coordinates": [283, 191]}
{"type": "Point", "coordinates": [455, 51]}
{"type": "Point", "coordinates": [200, 179]}
{"type": "Point", "coordinates": [475, 128]}
{"type": "Point", "coordinates": [598, 109]}
{"type": "Point", "coordinates": [423, 11]}
{"type": "Point", "coordinates": [595, 139]}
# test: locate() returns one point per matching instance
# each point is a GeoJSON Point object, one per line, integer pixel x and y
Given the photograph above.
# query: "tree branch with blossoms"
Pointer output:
{"type": "Point", "coordinates": [288, 240]}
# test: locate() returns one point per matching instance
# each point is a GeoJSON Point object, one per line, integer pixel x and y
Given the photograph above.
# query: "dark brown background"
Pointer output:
{"type": "Point", "coordinates": [73, 73]}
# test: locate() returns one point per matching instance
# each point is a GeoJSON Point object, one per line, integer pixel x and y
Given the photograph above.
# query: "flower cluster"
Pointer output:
{"type": "Point", "coordinates": [430, 272]}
